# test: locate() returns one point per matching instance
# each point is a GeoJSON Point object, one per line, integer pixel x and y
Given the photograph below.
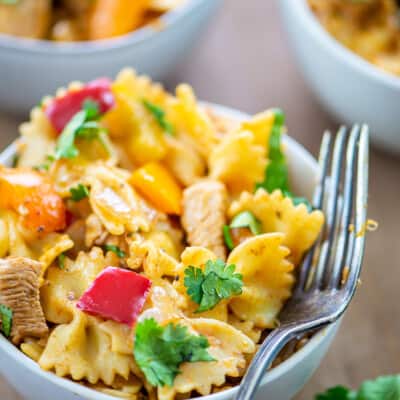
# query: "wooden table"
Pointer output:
{"type": "Point", "coordinates": [243, 60]}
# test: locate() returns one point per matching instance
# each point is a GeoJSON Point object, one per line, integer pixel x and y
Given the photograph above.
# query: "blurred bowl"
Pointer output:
{"type": "Point", "coordinates": [280, 383]}
{"type": "Point", "coordinates": [30, 69]}
{"type": "Point", "coordinates": [349, 87]}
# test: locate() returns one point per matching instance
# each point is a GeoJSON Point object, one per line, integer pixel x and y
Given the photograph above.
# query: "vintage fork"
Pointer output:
{"type": "Point", "coordinates": [330, 272]}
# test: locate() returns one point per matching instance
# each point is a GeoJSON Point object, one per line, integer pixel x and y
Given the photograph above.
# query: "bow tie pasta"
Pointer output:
{"type": "Point", "coordinates": [164, 239]}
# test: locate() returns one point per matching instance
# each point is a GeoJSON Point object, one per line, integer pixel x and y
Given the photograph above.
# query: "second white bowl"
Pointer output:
{"type": "Point", "coordinates": [349, 87]}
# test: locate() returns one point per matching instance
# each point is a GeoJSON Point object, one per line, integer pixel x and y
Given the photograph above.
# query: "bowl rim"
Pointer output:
{"type": "Point", "coordinates": [92, 394]}
{"type": "Point", "coordinates": [311, 23]}
{"type": "Point", "coordinates": [42, 46]}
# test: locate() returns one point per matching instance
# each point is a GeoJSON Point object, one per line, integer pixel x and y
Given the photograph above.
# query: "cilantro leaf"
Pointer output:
{"type": "Point", "coordinates": [218, 281]}
{"type": "Point", "coordinates": [277, 172]}
{"type": "Point", "coordinates": [92, 109]}
{"type": "Point", "coordinates": [61, 261]}
{"type": "Point", "coordinates": [6, 320]}
{"type": "Point", "coordinates": [159, 115]}
{"type": "Point", "coordinates": [335, 393]}
{"type": "Point", "coordinates": [115, 249]}
{"type": "Point", "coordinates": [246, 219]}
{"type": "Point", "coordinates": [159, 351]}
{"type": "Point", "coordinates": [383, 388]}
{"type": "Point", "coordinates": [226, 230]}
{"type": "Point", "coordinates": [82, 125]}
{"type": "Point", "coordinates": [79, 192]}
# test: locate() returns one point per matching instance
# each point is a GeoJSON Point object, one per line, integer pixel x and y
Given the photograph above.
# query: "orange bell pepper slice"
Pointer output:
{"type": "Point", "coordinates": [109, 18]}
{"type": "Point", "coordinates": [32, 196]}
{"type": "Point", "coordinates": [156, 184]}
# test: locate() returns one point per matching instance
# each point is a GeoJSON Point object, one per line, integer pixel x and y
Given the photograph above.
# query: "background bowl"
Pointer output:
{"type": "Point", "coordinates": [350, 88]}
{"type": "Point", "coordinates": [30, 69]}
{"type": "Point", "coordinates": [281, 383]}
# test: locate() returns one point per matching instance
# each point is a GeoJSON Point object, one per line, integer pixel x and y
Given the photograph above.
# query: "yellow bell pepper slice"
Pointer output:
{"type": "Point", "coordinates": [156, 184]}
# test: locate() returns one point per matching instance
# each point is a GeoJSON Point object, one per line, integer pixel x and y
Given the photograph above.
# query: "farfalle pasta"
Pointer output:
{"type": "Point", "coordinates": [152, 223]}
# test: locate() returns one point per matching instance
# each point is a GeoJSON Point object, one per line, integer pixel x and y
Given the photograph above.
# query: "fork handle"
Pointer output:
{"type": "Point", "coordinates": [267, 353]}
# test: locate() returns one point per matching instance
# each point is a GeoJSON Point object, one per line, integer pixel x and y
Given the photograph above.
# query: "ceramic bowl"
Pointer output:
{"type": "Point", "coordinates": [30, 69]}
{"type": "Point", "coordinates": [280, 383]}
{"type": "Point", "coordinates": [349, 87]}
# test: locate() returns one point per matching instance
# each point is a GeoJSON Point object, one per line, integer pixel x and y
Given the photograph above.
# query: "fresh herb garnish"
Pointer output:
{"type": "Point", "coordinates": [277, 173]}
{"type": "Point", "coordinates": [115, 249]}
{"type": "Point", "coordinates": [382, 388]}
{"type": "Point", "coordinates": [79, 192]}
{"type": "Point", "coordinates": [218, 281]}
{"type": "Point", "coordinates": [247, 219]}
{"type": "Point", "coordinates": [61, 260]}
{"type": "Point", "coordinates": [159, 115]}
{"type": "Point", "coordinates": [159, 351]}
{"type": "Point", "coordinates": [41, 167]}
{"type": "Point", "coordinates": [83, 125]}
{"type": "Point", "coordinates": [226, 230]}
{"type": "Point", "coordinates": [9, 2]}
{"type": "Point", "coordinates": [15, 160]}
{"type": "Point", "coordinates": [6, 320]}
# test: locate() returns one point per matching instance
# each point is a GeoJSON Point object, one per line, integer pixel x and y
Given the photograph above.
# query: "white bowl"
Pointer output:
{"type": "Point", "coordinates": [281, 383]}
{"type": "Point", "coordinates": [30, 69]}
{"type": "Point", "coordinates": [350, 88]}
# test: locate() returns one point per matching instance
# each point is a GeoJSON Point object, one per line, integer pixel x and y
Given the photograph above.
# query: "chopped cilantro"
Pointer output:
{"type": "Point", "coordinates": [226, 230]}
{"type": "Point", "coordinates": [159, 115]}
{"type": "Point", "coordinates": [217, 282]}
{"type": "Point", "coordinates": [247, 219]}
{"type": "Point", "coordinates": [79, 192]}
{"type": "Point", "coordinates": [159, 351]}
{"type": "Point", "coordinates": [82, 125]}
{"type": "Point", "coordinates": [382, 388]}
{"type": "Point", "coordinates": [15, 160]}
{"type": "Point", "coordinates": [42, 167]}
{"type": "Point", "coordinates": [277, 173]}
{"type": "Point", "coordinates": [6, 320]}
{"type": "Point", "coordinates": [61, 261]}
{"type": "Point", "coordinates": [115, 249]}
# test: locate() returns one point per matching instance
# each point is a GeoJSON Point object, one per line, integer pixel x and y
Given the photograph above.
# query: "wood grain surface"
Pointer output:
{"type": "Point", "coordinates": [243, 60]}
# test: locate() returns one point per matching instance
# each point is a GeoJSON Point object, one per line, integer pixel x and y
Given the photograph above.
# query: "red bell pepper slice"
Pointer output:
{"type": "Point", "coordinates": [116, 294]}
{"type": "Point", "coordinates": [62, 109]}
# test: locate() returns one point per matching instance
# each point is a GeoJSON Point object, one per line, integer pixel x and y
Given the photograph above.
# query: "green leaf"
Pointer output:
{"type": "Point", "coordinates": [15, 160]}
{"type": "Point", "coordinates": [61, 261]}
{"type": "Point", "coordinates": [92, 109]}
{"type": "Point", "coordinates": [226, 230]}
{"type": "Point", "coordinates": [218, 281]}
{"type": "Point", "coordinates": [82, 125]}
{"type": "Point", "coordinates": [277, 173]}
{"type": "Point", "coordinates": [115, 249]}
{"type": "Point", "coordinates": [159, 115]}
{"type": "Point", "coordinates": [247, 219]}
{"type": "Point", "coordinates": [65, 147]}
{"type": "Point", "coordinates": [79, 192]}
{"type": "Point", "coordinates": [6, 320]}
{"type": "Point", "coordinates": [383, 388]}
{"type": "Point", "coordinates": [42, 167]}
{"type": "Point", "coordinates": [159, 351]}
{"type": "Point", "coordinates": [335, 393]}
{"type": "Point", "coordinates": [9, 2]}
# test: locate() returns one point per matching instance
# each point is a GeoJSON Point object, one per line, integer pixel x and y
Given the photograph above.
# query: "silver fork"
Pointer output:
{"type": "Point", "coordinates": [323, 290]}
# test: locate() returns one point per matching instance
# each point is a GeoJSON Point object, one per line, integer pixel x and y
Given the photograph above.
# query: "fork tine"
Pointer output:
{"type": "Point", "coordinates": [331, 209]}
{"type": "Point", "coordinates": [358, 235]}
{"type": "Point", "coordinates": [347, 209]}
{"type": "Point", "coordinates": [318, 200]}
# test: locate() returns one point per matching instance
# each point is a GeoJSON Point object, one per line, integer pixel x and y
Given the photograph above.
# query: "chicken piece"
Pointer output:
{"type": "Point", "coordinates": [203, 218]}
{"type": "Point", "coordinates": [27, 18]}
{"type": "Point", "coordinates": [19, 291]}
{"type": "Point", "coordinates": [77, 7]}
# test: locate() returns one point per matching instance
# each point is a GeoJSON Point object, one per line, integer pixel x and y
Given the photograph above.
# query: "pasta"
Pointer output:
{"type": "Point", "coordinates": [147, 233]}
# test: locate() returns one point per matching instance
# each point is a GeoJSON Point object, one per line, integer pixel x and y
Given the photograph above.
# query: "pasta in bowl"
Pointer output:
{"type": "Point", "coordinates": [149, 242]}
